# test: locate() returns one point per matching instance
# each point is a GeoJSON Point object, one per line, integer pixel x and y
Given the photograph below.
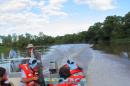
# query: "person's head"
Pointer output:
{"type": "Point", "coordinates": [30, 47]}
{"type": "Point", "coordinates": [70, 62]}
{"type": "Point", "coordinates": [33, 64]}
{"type": "Point", "coordinates": [64, 72]}
{"type": "Point", "coordinates": [3, 74]}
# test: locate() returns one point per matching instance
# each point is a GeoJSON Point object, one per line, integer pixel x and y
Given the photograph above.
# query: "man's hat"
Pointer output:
{"type": "Point", "coordinates": [30, 46]}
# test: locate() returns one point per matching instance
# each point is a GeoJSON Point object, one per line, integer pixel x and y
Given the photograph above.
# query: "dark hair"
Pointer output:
{"type": "Point", "coordinates": [72, 62]}
{"type": "Point", "coordinates": [64, 72]}
{"type": "Point", "coordinates": [68, 61]}
{"type": "Point", "coordinates": [2, 71]}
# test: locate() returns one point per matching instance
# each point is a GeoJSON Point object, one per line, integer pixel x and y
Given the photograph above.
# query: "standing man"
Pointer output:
{"type": "Point", "coordinates": [13, 54]}
{"type": "Point", "coordinates": [33, 54]}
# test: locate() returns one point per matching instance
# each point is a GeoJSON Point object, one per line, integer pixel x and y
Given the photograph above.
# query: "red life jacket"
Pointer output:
{"type": "Point", "coordinates": [28, 73]}
{"type": "Point", "coordinates": [74, 80]}
{"type": "Point", "coordinates": [63, 84]}
{"type": "Point", "coordinates": [75, 71]}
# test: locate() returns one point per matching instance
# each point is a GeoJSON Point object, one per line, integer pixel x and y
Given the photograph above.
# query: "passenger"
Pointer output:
{"type": "Point", "coordinates": [4, 78]}
{"type": "Point", "coordinates": [68, 79]}
{"type": "Point", "coordinates": [31, 52]}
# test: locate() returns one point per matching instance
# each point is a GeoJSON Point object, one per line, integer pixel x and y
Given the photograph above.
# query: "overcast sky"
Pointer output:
{"type": "Point", "coordinates": [56, 17]}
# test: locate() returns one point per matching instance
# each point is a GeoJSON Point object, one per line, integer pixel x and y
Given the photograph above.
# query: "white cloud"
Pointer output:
{"type": "Point", "coordinates": [12, 6]}
{"type": "Point", "coordinates": [54, 8]}
{"type": "Point", "coordinates": [99, 4]}
{"type": "Point", "coordinates": [53, 29]}
{"type": "Point", "coordinates": [57, 2]}
{"type": "Point", "coordinates": [16, 15]}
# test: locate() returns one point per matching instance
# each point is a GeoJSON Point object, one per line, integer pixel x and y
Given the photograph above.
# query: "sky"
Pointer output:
{"type": "Point", "coordinates": [56, 17]}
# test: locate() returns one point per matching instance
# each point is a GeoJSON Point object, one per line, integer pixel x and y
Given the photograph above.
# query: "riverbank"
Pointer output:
{"type": "Point", "coordinates": [118, 48]}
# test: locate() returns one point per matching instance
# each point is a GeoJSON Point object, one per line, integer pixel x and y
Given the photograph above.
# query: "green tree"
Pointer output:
{"type": "Point", "coordinates": [95, 32]}
{"type": "Point", "coordinates": [127, 24]}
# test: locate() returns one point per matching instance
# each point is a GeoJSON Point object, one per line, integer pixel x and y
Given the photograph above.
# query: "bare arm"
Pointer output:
{"type": "Point", "coordinates": [26, 80]}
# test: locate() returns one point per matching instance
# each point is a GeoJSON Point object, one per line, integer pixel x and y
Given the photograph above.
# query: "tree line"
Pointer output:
{"type": "Point", "coordinates": [21, 41]}
{"type": "Point", "coordinates": [113, 28]}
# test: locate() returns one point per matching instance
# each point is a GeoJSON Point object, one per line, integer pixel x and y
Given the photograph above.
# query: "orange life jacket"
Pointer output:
{"type": "Point", "coordinates": [28, 73]}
